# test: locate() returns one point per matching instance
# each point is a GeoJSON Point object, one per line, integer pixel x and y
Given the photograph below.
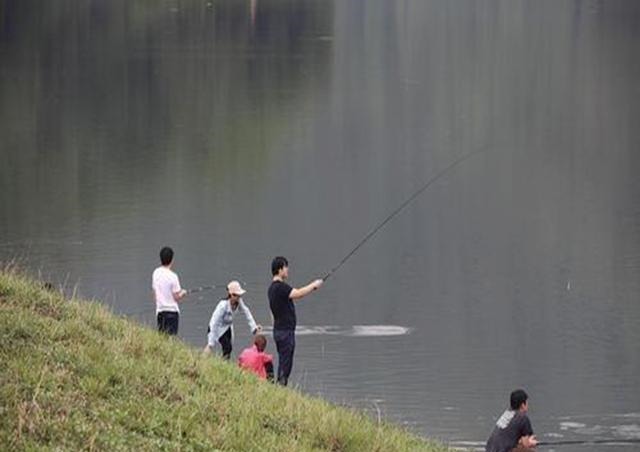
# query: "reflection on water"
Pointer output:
{"type": "Point", "coordinates": [238, 130]}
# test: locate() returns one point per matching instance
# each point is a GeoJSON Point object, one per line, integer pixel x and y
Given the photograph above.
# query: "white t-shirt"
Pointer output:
{"type": "Point", "coordinates": [165, 283]}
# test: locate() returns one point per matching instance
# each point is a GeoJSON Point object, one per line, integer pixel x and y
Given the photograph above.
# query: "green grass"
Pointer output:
{"type": "Point", "coordinates": [73, 376]}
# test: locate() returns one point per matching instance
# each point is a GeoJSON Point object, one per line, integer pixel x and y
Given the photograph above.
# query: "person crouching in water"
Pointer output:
{"type": "Point", "coordinates": [255, 360]}
{"type": "Point", "coordinates": [221, 323]}
{"type": "Point", "coordinates": [513, 430]}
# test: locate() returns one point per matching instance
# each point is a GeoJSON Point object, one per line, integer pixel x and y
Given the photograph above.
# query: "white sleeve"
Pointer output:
{"type": "Point", "coordinates": [176, 285]}
{"type": "Point", "coordinates": [216, 318]}
{"type": "Point", "coordinates": [247, 314]}
{"type": "Point", "coordinates": [211, 341]}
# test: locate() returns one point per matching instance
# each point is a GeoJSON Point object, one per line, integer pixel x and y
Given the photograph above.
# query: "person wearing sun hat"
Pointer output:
{"type": "Point", "coordinates": [221, 324]}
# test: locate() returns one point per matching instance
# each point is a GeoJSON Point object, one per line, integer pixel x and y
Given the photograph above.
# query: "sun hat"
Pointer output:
{"type": "Point", "coordinates": [235, 288]}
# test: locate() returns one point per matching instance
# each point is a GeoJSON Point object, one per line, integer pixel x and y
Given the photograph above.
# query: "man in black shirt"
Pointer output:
{"type": "Point", "coordinates": [513, 430]}
{"type": "Point", "coordinates": [281, 298]}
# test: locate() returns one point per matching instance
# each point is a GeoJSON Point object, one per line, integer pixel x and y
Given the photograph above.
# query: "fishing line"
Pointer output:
{"type": "Point", "coordinates": [196, 302]}
{"type": "Point", "coordinates": [380, 225]}
{"type": "Point", "coordinates": [199, 289]}
{"type": "Point", "coordinates": [588, 442]}
{"type": "Point", "coordinates": [203, 288]}
{"type": "Point", "coordinates": [191, 292]}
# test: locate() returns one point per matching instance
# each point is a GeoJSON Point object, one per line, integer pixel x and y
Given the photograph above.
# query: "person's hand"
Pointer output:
{"type": "Point", "coordinates": [183, 293]}
{"type": "Point", "coordinates": [529, 441]}
{"type": "Point", "coordinates": [317, 283]}
{"type": "Point", "coordinates": [207, 350]}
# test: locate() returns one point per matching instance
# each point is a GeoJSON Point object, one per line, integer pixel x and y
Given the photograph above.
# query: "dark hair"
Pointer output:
{"type": "Point", "coordinates": [166, 255]}
{"type": "Point", "coordinates": [277, 264]}
{"type": "Point", "coordinates": [518, 397]}
{"type": "Point", "coordinates": [260, 341]}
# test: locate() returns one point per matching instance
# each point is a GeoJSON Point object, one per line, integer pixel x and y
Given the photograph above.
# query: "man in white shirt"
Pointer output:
{"type": "Point", "coordinates": [221, 323]}
{"type": "Point", "coordinates": [167, 293]}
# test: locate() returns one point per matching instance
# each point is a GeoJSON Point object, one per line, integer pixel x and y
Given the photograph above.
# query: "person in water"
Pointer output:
{"type": "Point", "coordinates": [281, 298]}
{"type": "Point", "coordinates": [221, 324]}
{"type": "Point", "coordinates": [513, 430]}
{"type": "Point", "coordinates": [167, 293]}
{"type": "Point", "coordinates": [255, 360]}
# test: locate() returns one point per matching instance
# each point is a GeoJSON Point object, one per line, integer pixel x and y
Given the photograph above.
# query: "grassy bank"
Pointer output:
{"type": "Point", "coordinates": [73, 376]}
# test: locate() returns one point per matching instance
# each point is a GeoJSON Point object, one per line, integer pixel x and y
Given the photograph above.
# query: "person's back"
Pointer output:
{"type": "Point", "coordinates": [513, 428]}
{"type": "Point", "coordinates": [167, 293]}
{"type": "Point", "coordinates": [164, 283]}
{"type": "Point", "coordinates": [282, 307]}
{"type": "Point", "coordinates": [255, 360]}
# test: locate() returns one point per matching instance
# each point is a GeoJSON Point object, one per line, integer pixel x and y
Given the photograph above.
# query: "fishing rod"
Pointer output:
{"type": "Point", "coordinates": [191, 292]}
{"type": "Point", "coordinates": [380, 225]}
{"type": "Point", "coordinates": [589, 442]}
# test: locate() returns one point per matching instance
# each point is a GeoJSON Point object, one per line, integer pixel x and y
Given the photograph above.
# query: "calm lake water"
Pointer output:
{"type": "Point", "coordinates": [238, 130]}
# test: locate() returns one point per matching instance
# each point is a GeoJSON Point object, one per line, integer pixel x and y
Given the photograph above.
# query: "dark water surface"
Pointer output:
{"type": "Point", "coordinates": [238, 130]}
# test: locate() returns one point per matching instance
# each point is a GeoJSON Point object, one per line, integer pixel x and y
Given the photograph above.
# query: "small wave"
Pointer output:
{"type": "Point", "coordinates": [379, 330]}
{"type": "Point", "coordinates": [631, 431]}
{"type": "Point", "coordinates": [316, 330]}
{"type": "Point", "coordinates": [594, 430]}
{"type": "Point", "coordinates": [554, 435]}
{"type": "Point", "coordinates": [599, 416]}
{"type": "Point", "coordinates": [352, 331]}
{"type": "Point", "coordinates": [568, 425]}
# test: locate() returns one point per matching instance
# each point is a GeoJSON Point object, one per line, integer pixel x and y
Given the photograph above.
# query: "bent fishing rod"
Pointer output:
{"type": "Point", "coordinates": [589, 442]}
{"type": "Point", "coordinates": [393, 214]}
